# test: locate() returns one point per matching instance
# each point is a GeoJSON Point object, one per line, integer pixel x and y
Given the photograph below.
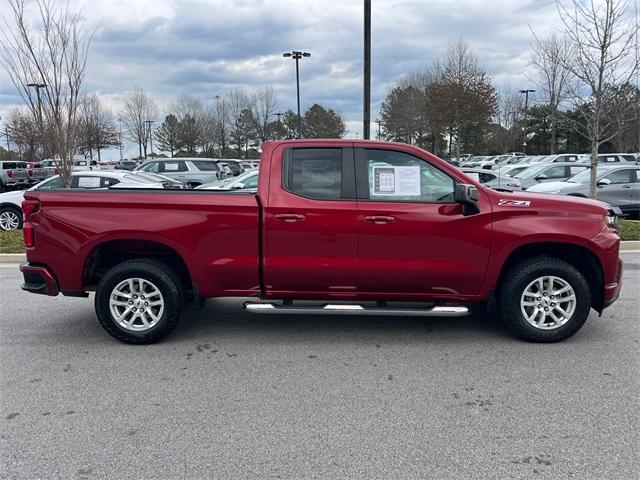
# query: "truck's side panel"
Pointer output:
{"type": "Point", "coordinates": [215, 234]}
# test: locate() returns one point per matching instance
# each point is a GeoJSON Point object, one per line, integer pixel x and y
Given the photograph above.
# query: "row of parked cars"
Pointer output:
{"type": "Point", "coordinates": [17, 175]}
{"type": "Point", "coordinates": [618, 177]}
{"type": "Point", "coordinates": [201, 173]}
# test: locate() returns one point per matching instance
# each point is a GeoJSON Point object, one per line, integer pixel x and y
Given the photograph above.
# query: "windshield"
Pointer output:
{"type": "Point", "coordinates": [531, 172]}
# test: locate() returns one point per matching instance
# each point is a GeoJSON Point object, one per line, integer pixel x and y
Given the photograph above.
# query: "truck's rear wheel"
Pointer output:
{"type": "Point", "coordinates": [544, 300]}
{"type": "Point", "coordinates": [139, 301]}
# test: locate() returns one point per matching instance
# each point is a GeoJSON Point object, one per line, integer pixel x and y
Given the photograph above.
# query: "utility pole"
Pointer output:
{"type": "Point", "coordinates": [149, 122]}
{"type": "Point", "coordinates": [366, 111]}
{"type": "Point", "coordinates": [38, 86]}
{"type": "Point", "coordinates": [526, 118]}
{"type": "Point", "coordinates": [120, 138]}
{"type": "Point", "coordinates": [278, 114]}
{"type": "Point", "coordinates": [297, 55]}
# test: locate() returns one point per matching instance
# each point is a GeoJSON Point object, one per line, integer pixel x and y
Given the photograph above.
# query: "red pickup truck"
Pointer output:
{"type": "Point", "coordinates": [335, 227]}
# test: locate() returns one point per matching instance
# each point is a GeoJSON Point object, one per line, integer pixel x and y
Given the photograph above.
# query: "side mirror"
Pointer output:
{"type": "Point", "coordinates": [467, 195]}
{"type": "Point", "coordinates": [238, 186]}
{"type": "Point", "coordinates": [603, 182]}
{"type": "Point", "coordinates": [542, 176]}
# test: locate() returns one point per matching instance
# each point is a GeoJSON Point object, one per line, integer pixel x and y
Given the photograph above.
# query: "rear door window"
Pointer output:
{"type": "Point", "coordinates": [314, 172]}
{"type": "Point", "coordinates": [206, 166]}
{"type": "Point", "coordinates": [173, 166]}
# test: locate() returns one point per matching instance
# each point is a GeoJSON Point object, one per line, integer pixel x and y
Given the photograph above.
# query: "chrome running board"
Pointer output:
{"type": "Point", "coordinates": [348, 309]}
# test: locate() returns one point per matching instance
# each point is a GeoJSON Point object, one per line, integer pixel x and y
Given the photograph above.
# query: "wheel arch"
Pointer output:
{"type": "Point", "coordinates": [580, 257]}
{"type": "Point", "coordinates": [105, 255]}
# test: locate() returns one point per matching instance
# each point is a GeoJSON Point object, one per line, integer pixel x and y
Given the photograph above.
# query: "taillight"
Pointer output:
{"type": "Point", "coordinates": [30, 172]}
{"type": "Point", "coordinates": [29, 207]}
{"type": "Point", "coordinates": [55, 171]}
{"type": "Point", "coordinates": [10, 173]}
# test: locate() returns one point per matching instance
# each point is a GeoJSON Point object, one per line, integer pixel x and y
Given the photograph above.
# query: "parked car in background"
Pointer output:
{"type": "Point", "coordinates": [84, 165]}
{"type": "Point", "coordinates": [235, 166]}
{"type": "Point", "coordinates": [492, 179]}
{"type": "Point", "coordinates": [617, 185]}
{"type": "Point", "coordinates": [11, 202]}
{"type": "Point", "coordinates": [13, 175]}
{"type": "Point", "coordinates": [246, 181]}
{"type": "Point", "coordinates": [192, 171]}
{"type": "Point", "coordinates": [128, 165]}
{"type": "Point", "coordinates": [548, 172]}
{"type": "Point", "coordinates": [609, 158]}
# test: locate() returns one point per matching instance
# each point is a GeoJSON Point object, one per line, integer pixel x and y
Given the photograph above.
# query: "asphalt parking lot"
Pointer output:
{"type": "Point", "coordinates": [234, 395]}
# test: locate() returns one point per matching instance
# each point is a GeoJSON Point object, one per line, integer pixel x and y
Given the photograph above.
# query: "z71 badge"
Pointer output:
{"type": "Point", "coordinates": [514, 203]}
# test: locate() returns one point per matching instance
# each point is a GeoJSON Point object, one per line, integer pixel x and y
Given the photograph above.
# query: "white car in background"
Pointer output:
{"type": "Point", "coordinates": [246, 181]}
{"type": "Point", "coordinates": [11, 202]}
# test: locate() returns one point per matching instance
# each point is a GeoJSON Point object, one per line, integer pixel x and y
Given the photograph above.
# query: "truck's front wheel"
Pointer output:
{"type": "Point", "coordinates": [139, 301]}
{"type": "Point", "coordinates": [544, 300]}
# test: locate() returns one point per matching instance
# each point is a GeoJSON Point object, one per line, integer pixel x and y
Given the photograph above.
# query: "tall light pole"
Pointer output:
{"type": "Point", "coordinates": [526, 118]}
{"type": "Point", "coordinates": [297, 55]}
{"type": "Point", "coordinates": [379, 122]}
{"type": "Point", "coordinates": [38, 86]}
{"type": "Point", "coordinates": [278, 115]}
{"type": "Point", "coordinates": [366, 110]}
{"type": "Point", "coordinates": [149, 122]}
{"type": "Point", "coordinates": [120, 138]}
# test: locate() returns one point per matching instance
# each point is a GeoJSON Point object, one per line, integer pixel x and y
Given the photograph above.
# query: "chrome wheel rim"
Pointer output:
{"type": "Point", "coordinates": [136, 304]}
{"type": "Point", "coordinates": [9, 220]}
{"type": "Point", "coordinates": [548, 302]}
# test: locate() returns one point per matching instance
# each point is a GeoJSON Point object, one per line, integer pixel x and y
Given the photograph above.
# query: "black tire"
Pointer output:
{"type": "Point", "coordinates": [15, 211]}
{"type": "Point", "coordinates": [159, 275]}
{"type": "Point", "coordinates": [516, 281]}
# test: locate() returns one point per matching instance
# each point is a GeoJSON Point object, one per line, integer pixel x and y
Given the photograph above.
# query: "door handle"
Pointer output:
{"type": "Point", "coordinates": [289, 217]}
{"type": "Point", "coordinates": [626, 186]}
{"type": "Point", "coordinates": [379, 219]}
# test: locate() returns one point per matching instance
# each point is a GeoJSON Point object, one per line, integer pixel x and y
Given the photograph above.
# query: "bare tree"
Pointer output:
{"type": "Point", "coordinates": [550, 58]}
{"type": "Point", "coordinates": [97, 128]}
{"type": "Point", "coordinates": [54, 57]}
{"type": "Point", "coordinates": [138, 108]}
{"type": "Point", "coordinates": [222, 124]}
{"type": "Point", "coordinates": [603, 35]}
{"type": "Point", "coordinates": [506, 118]}
{"type": "Point", "coordinates": [263, 105]}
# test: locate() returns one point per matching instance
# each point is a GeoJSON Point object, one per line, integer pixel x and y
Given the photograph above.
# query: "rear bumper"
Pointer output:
{"type": "Point", "coordinates": [38, 279]}
{"type": "Point", "coordinates": [612, 290]}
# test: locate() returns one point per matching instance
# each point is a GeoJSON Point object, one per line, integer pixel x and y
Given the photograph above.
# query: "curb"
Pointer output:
{"type": "Point", "coordinates": [628, 245]}
{"type": "Point", "coordinates": [13, 257]}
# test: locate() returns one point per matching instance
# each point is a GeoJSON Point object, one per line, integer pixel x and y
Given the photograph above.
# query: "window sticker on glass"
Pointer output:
{"type": "Point", "coordinates": [171, 167]}
{"type": "Point", "coordinates": [396, 181]}
{"type": "Point", "coordinates": [88, 182]}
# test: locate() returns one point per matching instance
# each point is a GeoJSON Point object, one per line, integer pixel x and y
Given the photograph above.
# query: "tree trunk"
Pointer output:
{"type": "Point", "coordinates": [594, 169]}
{"type": "Point", "coordinates": [98, 154]}
{"type": "Point", "coordinates": [140, 149]}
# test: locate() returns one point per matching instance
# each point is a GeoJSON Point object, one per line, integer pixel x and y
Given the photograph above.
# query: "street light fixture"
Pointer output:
{"type": "Point", "coordinates": [526, 118]}
{"type": "Point", "coordinates": [38, 86]}
{"type": "Point", "coordinates": [297, 55]}
{"type": "Point", "coordinates": [277, 114]}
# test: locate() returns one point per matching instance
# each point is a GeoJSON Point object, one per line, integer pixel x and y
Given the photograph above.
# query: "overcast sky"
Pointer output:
{"type": "Point", "coordinates": [205, 48]}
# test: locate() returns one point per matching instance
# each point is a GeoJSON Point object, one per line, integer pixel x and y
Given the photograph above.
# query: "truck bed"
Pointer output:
{"type": "Point", "coordinates": [216, 233]}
